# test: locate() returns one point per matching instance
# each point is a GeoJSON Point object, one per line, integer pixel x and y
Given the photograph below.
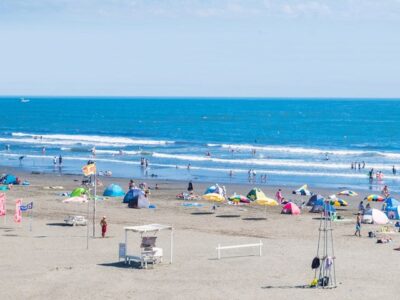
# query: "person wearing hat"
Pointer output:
{"type": "Point", "coordinates": [103, 224]}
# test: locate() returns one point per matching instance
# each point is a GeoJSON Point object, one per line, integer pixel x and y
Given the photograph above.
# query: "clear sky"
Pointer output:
{"type": "Point", "coordinates": [262, 48]}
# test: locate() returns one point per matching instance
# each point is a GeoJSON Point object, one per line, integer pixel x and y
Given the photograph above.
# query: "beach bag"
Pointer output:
{"type": "Point", "coordinates": [371, 234]}
{"type": "Point", "coordinates": [315, 263]}
{"type": "Point", "coordinates": [324, 281]}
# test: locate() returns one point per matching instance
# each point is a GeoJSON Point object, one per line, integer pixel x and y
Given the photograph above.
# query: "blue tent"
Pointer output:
{"type": "Point", "coordinates": [136, 198]}
{"type": "Point", "coordinates": [131, 195]}
{"type": "Point", "coordinates": [391, 202]}
{"type": "Point", "coordinates": [313, 199]}
{"type": "Point", "coordinates": [9, 179]}
{"type": "Point", "coordinates": [320, 205]}
{"type": "Point", "coordinates": [113, 190]}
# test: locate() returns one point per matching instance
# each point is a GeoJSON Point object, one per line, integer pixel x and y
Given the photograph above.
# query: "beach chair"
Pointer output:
{"type": "Point", "coordinates": [150, 253]}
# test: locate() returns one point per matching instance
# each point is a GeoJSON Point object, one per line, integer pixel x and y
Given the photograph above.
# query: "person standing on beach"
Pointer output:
{"type": "Point", "coordinates": [363, 164]}
{"type": "Point", "coordinates": [54, 161]}
{"type": "Point", "coordinates": [358, 225]}
{"type": "Point", "coordinates": [394, 170]}
{"type": "Point", "coordinates": [279, 196]}
{"type": "Point", "coordinates": [60, 160]}
{"type": "Point", "coordinates": [131, 185]}
{"type": "Point", "coordinates": [103, 224]}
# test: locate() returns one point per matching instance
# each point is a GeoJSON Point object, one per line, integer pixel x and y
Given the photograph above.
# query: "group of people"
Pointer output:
{"type": "Point", "coordinates": [361, 210]}
{"type": "Point", "coordinates": [144, 162]}
{"type": "Point", "coordinates": [58, 160]}
{"type": "Point", "coordinates": [360, 165]}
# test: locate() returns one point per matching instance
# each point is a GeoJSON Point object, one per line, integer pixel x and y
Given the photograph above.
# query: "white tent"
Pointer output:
{"type": "Point", "coordinates": [375, 216]}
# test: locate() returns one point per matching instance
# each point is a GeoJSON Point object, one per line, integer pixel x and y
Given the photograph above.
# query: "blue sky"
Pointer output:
{"type": "Point", "coordinates": [256, 48]}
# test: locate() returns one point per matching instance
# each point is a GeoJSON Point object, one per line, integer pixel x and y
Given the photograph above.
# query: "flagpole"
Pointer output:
{"type": "Point", "coordinates": [94, 205]}
{"type": "Point", "coordinates": [87, 225]}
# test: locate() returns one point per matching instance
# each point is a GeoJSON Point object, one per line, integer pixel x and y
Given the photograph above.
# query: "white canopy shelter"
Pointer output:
{"type": "Point", "coordinates": [150, 228]}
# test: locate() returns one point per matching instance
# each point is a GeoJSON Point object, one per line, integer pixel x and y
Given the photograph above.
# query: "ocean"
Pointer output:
{"type": "Point", "coordinates": [291, 141]}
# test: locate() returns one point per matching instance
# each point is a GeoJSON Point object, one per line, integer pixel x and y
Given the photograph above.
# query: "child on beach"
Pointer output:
{"type": "Point", "coordinates": [358, 225]}
{"type": "Point", "coordinates": [103, 224]}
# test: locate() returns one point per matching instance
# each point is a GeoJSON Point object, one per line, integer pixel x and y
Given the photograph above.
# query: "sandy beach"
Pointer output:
{"type": "Point", "coordinates": [52, 261]}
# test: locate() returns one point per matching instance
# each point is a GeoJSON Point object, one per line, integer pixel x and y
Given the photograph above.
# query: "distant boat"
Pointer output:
{"type": "Point", "coordinates": [23, 100]}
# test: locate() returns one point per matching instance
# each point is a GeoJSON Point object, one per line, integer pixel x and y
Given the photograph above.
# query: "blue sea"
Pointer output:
{"type": "Point", "coordinates": [291, 141]}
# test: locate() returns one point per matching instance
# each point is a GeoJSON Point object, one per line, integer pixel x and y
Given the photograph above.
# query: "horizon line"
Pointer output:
{"type": "Point", "coordinates": [202, 97]}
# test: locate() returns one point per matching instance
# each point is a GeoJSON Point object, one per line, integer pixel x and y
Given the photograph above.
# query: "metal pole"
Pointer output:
{"type": "Point", "coordinates": [94, 205]}
{"type": "Point", "coordinates": [87, 225]}
{"type": "Point", "coordinates": [172, 244]}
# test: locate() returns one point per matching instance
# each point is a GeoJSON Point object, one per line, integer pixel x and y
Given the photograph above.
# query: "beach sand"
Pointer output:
{"type": "Point", "coordinates": [52, 261]}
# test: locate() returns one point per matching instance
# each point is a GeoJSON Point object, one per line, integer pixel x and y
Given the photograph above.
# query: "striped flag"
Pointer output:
{"type": "Point", "coordinates": [27, 207]}
{"type": "Point", "coordinates": [2, 204]}
{"type": "Point", "coordinates": [89, 169]}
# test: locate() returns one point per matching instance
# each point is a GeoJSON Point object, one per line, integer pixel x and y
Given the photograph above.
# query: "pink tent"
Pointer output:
{"type": "Point", "coordinates": [291, 209]}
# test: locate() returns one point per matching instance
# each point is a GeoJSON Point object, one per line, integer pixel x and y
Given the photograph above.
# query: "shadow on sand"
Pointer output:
{"type": "Point", "coordinates": [200, 213]}
{"type": "Point", "coordinates": [58, 224]}
{"type": "Point", "coordinates": [254, 219]}
{"type": "Point", "coordinates": [228, 216]}
{"type": "Point", "coordinates": [122, 265]}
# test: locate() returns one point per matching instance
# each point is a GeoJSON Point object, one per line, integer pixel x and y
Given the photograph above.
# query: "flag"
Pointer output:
{"type": "Point", "coordinates": [26, 207]}
{"type": "Point", "coordinates": [18, 214]}
{"type": "Point", "coordinates": [2, 204]}
{"type": "Point", "coordinates": [89, 169]}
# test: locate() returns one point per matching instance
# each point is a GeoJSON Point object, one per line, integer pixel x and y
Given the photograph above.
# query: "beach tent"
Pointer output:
{"type": "Point", "coordinates": [375, 216]}
{"type": "Point", "coordinates": [291, 209]}
{"type": "Point", "coordinates": [136, 198]}
{"type": "Point", "coordinates": [78, 192]}
{"type": "Point", "coordinates": [239, 198]}
{"type": "Point", "coordinates": [303, 191]}
{"type": "Point", "coordinates": [214, 189]}
{"type": "Point", "coordinates": [258, 197]}
{"type": "Point", "coordinates": [391, 202]}
{"type": "Point", "coordinates": [348, 193]}
{"type": "Point", "coordinates": [256, 194]}
{"type": "Point", "coordinates": [374, 198]}
{"type": "Point", "coordinates": [393, 213]}
{"type": "Point", "coordinates": [213, 197]}
{"type": "Point", "coordinates": [320, 205]}
{"type": "Point", "coordinates": [313, 199]}
{"type": "Point", "coordinates": [113, 190]}
{"type": "Point", "coordinates": [10, 179]}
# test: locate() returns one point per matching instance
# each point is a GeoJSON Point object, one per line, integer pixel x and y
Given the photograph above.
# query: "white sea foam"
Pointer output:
{"type": "Point", "coordinates": [71, 139]}
{"type": "Point", "coordinates": [269, 162]}
{"type": "Point", "coordinates": [306, 151]}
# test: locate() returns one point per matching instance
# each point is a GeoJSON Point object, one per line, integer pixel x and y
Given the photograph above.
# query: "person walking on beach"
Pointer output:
{"type": "Point", "coordinates": [190, 187]}
{"type": "Point", "coordinates": [358, 225]}
{"type": "Point", "coordinates": [103, 224]}
{"type": "Point", "coordinates": [361, 208]}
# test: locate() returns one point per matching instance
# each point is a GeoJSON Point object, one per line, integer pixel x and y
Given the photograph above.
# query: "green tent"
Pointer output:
{"type": "Point", "coordinates": [78, 192]}
{"type": "Point", "coordinates": [256, 194]}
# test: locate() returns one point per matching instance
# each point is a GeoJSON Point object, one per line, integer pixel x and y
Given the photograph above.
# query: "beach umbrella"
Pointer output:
{"type": "Point", "coordinates": [348, 193]}
{"type": "Point", "coordinates": [338, 202]}
{"type": "Point", "coordinates": [213, 197]}
{"type": "Point", "coordinates": [239, 198]}
{"type": "Point", "coordinates": [374, 197]}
